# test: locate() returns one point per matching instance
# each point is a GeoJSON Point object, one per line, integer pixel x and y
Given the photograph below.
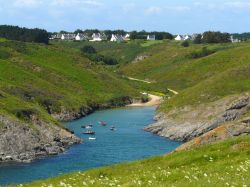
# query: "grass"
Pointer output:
{"type": "Point", "coordinates": [150, 43]}
{"type": "Point", "coordinates": [199, 80]}
{"type": "Point", "coordinates": [220, 164]}
{"type": "Point", "coordinates": [36, 76]}
{"type": "Point", "coordinates": [123, 52]}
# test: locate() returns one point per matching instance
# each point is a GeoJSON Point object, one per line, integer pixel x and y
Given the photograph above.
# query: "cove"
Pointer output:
{"type": "Point", "coordinates": [129, 142]}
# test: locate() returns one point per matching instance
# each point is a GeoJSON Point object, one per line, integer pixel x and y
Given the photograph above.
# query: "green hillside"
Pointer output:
{"type": "Point", "coordinates": [202, 79]}
{"type": "Point", "coordinates": [123, 52]}
{"type": "Point", "coordinates": [221, 164]}
{"type": "Point", "coordinates": [46, 78]}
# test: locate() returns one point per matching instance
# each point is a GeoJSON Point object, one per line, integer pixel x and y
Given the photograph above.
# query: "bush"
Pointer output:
{"type": "Point", "coordinates": [4, 54]}
{"type": "Point", "coordinates": [88, 49]}
{"type": "Point", "coordinates": [25, 114]}
{"type": "Point", "coordinates": [185, 44]}
{"type": "Point", "coordinates": [145, 99]}
{"type": "Point", "coordinates": [204, 52]}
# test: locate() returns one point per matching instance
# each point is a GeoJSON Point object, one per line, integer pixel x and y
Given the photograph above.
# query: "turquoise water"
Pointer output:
{"type": "Point", "coordinates": [128, 142]}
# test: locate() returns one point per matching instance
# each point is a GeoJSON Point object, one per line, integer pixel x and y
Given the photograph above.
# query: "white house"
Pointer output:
{"type": "Point", "coordinates": [116, 38]}
{"type": "Point", "coordinates": [187, 37]}
{"type": "Point", "coordinates": [234, 40]}
{"type": "Point", "coordinates": [151, 37]}
{"type": "Point", "coordinates": [68, 36]}
{"type": "Point", "coordinates": [80, 37]}
{"type": "Point", "coordinates": [97, 37]}
{"type": "Point", "coordinates": [56, 36]}
{"type": "Point", "coordinates": [127, 37]}
{"type": "Point", "coordinates": [179, 38]}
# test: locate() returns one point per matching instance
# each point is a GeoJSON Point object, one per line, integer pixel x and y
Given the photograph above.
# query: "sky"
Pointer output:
{"type": "Point", "coordinates": [174, 16]}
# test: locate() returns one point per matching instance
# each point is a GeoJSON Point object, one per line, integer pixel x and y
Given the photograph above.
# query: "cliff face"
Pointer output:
{"type": "Point", "coordinates": [190, 122]}
{"type": "Point", "coordinates": [23, 142]}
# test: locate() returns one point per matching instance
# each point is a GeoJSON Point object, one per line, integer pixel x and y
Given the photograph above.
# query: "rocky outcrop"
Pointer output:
{"type": "Point", "coordinates": [23, 142]}
{"type": "Point", "coordinates": [69, 115]}
{"type": "Point", "coordinates": [222, 132]}
{"type": "Point", "coordinates": [140, 58]}
{"type": "Point", "coordinates": [190, 122]}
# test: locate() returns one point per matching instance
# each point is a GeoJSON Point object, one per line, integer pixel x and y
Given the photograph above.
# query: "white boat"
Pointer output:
{"type": "Point", "coordinates": [90, 138]}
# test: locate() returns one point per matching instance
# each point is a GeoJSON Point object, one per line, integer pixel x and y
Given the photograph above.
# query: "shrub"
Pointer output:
{"type": "Point", "coordinates": [4, 54]}
{"type": "Point", "coordinates": [185, 44]}
{"type": "Point", "coordinates": [204, 52]}
{"type": "Point", "coordinates": [25, 114]}
{"type": "Point", "coordinates": [88, 49]}
{"type": "Point", "coordinates": [144, 98]}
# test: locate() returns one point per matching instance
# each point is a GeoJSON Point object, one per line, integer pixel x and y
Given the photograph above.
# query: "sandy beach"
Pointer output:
{"type": "Point", "coordinates": [154, 101]}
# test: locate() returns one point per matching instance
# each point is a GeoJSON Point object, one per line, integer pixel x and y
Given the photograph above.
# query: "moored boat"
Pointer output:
{"type": "Point", "coordinates": [89, 132]}
{"type": "Point", "coordinates": [103, 123]}
{"type": "Point", "coordinates": [112, 128]}
{"type": "Point", "coordinates": [86, 126]}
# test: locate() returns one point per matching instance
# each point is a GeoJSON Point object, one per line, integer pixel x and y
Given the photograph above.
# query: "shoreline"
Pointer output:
{"type": "Point", "coordinates": [154, 101]}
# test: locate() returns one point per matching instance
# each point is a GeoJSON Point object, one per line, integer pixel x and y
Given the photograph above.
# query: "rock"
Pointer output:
{"type": "Point", "coordinates": [188, 123]}
{"type": "Point", "coordinates": [20, 143]}
{"type": "Point", "coordinates": [140, 58]}
{"type": "Point", "coordinates": [240, 103]}
{"type": "Point", "coordinates": [222, 132]}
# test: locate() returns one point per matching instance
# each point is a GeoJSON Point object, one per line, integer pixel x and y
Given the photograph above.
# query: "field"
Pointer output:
{"type": "Point", "coordinates": [221, 164]}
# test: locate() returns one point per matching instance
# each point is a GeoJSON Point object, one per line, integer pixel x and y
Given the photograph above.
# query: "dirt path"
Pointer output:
{"type": "Point", "coordinates": [139, 80]}
{"type": "Point", "coordinates": [173, 91]}
{"type": "Point", "coordinates": [154, 101]}
{"type": "Point", "coordinates": [148, 82]}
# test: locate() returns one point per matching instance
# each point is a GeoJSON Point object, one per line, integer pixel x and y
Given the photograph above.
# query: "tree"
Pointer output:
{"type": "Point", "coordinates": [24, 34]}
{"type": "Point", "coordinates": [78, 31]}
{"type": "Point", "coordinates": [198, 39]}
{"type": "Point", "coordinates": [215, 37]}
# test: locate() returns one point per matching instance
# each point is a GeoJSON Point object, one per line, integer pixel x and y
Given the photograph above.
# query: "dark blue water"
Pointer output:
{"type": "Point", "coordinates": [128, 143]}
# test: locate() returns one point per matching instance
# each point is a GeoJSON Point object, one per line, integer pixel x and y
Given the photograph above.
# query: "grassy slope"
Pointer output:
{"type": "Point", "coordinates": [123, 52]}
{"type": "Point", "coordinates": [33, 74]}
{"type": "Point", "coordinates": [198, 80]}
{"type": "Point", "coordinates": [221, 164]}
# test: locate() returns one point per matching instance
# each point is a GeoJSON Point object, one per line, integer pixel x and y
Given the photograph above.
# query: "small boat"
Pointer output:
{"type": "Point", "coordinates": [103, 123]}
{"type": "Point", "coordinates": [89, 132]}
{"type": "Point", "coordinates": [112, 128]}
{"type": "Point", "coordinates": [86, 126]}
{"type": "Point", "coordinates": [90, 138]}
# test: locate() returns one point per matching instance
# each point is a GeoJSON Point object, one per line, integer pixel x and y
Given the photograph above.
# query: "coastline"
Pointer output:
{"type": "Point", "coordinates": [195, 126]}
{"type": "Point", "coordinates": [46, 138]}
{"type": "Point", "coordinates": [154, 101]}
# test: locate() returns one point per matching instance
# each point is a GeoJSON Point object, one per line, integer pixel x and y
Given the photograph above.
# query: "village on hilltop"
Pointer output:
{"type": "Point", "coordinates": [98, 37]}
